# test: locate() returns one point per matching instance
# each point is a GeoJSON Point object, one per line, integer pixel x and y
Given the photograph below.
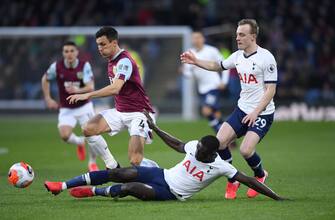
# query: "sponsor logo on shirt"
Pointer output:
{"type": "Point", "coordinates": [80, 75]}
{"type": "Point", "coordinates": [192, 170]}
{"type": "Point", "coordinates": [247, 78]}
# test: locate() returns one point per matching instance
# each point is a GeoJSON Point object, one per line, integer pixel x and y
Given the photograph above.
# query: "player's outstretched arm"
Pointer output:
{"type": "Point", "coordinates": [259, 187]}
{"type": "Point", "coordinates": [109, 90]}
{"type": "Point", "coordinates": [270, 91]}
{"type": "Point", "coordinates": [190, 58]}
{"type": "Point", "coordinates": [171, 141]}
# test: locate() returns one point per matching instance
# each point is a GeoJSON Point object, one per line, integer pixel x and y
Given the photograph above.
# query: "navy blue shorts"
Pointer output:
{"type": "Point", "coordinates": [261, 126]}
{"type": "Point", "coordinates": [211, 99]}
{"type": "Point", "coordinates": [154, 177]}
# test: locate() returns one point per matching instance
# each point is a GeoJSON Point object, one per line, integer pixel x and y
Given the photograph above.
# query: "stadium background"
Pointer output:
{"type": "Point", "coordinates": [299, 33]}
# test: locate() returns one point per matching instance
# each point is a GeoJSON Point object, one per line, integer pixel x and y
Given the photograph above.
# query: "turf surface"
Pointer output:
{"type": "Point", "coordinates": [298, 155]}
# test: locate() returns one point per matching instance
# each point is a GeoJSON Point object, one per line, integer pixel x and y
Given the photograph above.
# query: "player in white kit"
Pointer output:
{"type": "Point", "coordinates": [253, 116]}
{"type": "Point", "coordinates": [210, 83]}
{"type": "Point", "coordinates": [200, 167]}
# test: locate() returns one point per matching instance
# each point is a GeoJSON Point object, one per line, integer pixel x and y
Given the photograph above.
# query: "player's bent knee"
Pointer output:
{"type": "Point", "coordinates": [89, 130]}
{"type": "Point", "coordinates": [65, 137]}
{"type": "Point", "coordinates": [223, 142]}
{"type": "Point", "coordinates": [246, 152]}
{"type": "Point", "coordinates": [127, 189]}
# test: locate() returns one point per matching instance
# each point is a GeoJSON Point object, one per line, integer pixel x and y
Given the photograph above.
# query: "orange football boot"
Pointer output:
{"type": "Point", "coordinates": [231, 190]}
{"type": "Point", "coordinates": [252, 193]}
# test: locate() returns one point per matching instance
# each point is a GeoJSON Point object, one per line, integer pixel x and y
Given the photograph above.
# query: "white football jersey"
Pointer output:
{"type": "Point", "coordinates": [190, 175]}
{"type": "Point", "coordinates": [254, 72]}
{"type": "Point", "coordinates": [207, 80]}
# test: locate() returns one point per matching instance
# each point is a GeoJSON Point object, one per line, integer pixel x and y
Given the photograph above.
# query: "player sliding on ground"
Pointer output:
{"type": "Point", "coordinates": [200, 167]}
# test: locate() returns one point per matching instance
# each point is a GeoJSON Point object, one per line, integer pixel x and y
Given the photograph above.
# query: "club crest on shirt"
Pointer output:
{"type": "Point", "coordinates": [80, 75]}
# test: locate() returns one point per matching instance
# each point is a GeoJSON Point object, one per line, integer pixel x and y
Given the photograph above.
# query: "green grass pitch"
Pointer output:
{"type": "Point", "coordinates": [299, 156]}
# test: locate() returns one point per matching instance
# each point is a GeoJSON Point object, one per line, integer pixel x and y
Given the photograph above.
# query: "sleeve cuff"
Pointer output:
{"type": "Point", "coordinates": [233, 178]}
{"type": "Point", "coordinates": [122, 76]}
{"type": "Point", "coordinates": [222, 66]}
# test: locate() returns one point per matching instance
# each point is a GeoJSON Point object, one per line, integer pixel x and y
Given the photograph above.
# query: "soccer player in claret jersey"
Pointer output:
{"type": "Point", "coordinates": [129, 96]}
{"type": "Point", "coordinates": [74, 76]}
{"type": "Point", "coordinates": [200, 167]}
{"type": "Point", "coordinates": [253, 115]}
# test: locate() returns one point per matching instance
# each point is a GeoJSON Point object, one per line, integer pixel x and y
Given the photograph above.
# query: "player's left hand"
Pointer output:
{"type": "Point", "coordinates": [75, 98]}
{"type": "Point", "coordinates": [150, 121]}
{"type": "Point", "coordinates": [250, 119]}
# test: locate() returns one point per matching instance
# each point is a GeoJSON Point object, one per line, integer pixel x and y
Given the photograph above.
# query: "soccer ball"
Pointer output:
{"type": "Point", "coordinates": [20, 175]}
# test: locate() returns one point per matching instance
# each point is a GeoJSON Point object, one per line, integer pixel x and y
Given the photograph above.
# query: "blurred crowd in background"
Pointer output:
{"type": "Point", "coordinates": [299, 33]}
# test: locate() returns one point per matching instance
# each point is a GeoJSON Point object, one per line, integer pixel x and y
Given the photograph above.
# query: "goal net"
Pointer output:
{"type": "Point", "coordinates": [26, 53]}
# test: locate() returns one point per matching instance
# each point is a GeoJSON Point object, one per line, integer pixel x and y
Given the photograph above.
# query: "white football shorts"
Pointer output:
{"type": "Point", "coordinates": [135, 122]}
{"type": "Point", "coordinates": [70, 116]}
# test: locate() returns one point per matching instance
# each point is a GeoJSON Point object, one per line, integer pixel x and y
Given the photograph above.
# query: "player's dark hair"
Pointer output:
{"type": "Point", "coordinates": [254, 29]}
{"type": "Point", "coordinates": [70, 43]}
{"type": "Point", "coordinates": [198, 31]}
{"type": "Point", "coordinates": [211, 142]}
{"type": "Point", "coordinates": [109, 32]}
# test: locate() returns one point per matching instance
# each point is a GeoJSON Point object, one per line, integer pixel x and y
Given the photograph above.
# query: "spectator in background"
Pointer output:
{"type": "Point", "coordinates": [298, 33]}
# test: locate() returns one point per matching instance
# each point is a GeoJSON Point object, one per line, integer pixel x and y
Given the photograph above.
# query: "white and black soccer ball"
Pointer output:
{"type": "Point", "coordinates": [21, 175]}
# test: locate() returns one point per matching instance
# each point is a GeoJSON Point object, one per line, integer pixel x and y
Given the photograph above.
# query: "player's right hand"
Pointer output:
{"type": "Point", "coordinates": [188, 57]}
{"type": "Point", "coordinates": [75, 98]}
{"type": "Point", "coordinates": [150, 121]}
{"type": "Point", "coordinates": [52, 104]}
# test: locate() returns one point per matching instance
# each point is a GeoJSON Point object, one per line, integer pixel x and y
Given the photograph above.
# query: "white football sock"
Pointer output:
{"type": "Point", "coordinates": [64, 186]}
{"type": "Point", "coordinates": [92, 156]}
{"type": "Point", "coordinates": [74, 139]}
{"type": "Point", "coordinates": [101, 149]}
